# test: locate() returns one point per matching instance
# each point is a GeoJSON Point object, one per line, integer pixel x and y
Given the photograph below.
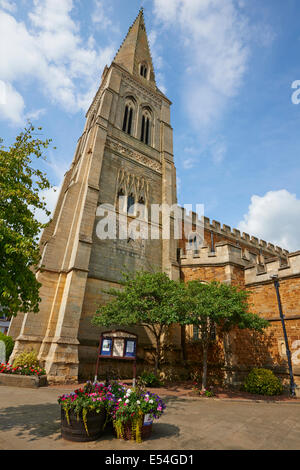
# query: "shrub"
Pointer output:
{"type": "Point", "coordinates": [263, 382]}
{"type": "Point", "coordinates": [9, 344]}
{"type": "Point", "coordinates": [149, 379]}
{"type": "Point", "coordinates": [26, 358]}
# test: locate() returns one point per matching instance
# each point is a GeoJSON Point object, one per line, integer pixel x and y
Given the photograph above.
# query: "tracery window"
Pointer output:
{"type": "Point", "coordinates": [130, 204]}
{"type": "Point", "coordinates": [121, 199]}
{"type": "Point", "coordinates": [133, 194]}
{"type": "Point", "coordinates": [128, 117]}
{"type": "Point", "coordinates": [146, 127]}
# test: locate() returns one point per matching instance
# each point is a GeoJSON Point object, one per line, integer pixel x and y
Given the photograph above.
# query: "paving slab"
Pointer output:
{"type": "Point", "coordinates": [30, 420]}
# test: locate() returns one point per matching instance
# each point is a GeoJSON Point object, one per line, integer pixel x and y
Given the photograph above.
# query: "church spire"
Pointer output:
{"type": "Point", "coordinates": [134, 53]}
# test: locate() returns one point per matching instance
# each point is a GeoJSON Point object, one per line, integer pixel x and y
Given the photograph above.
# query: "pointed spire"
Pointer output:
{"type": "Point", "coordinates": [135, 50]}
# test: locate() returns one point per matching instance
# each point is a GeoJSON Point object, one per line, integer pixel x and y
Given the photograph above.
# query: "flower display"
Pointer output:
{"type": "Point", "coordinates": [131, 410]}
{"type": "Point", "coordinates": [125, 407]}
{"type": "Point", "coordinates": [93, 397]}
{"type": "Point", "coordinates": [22, 370]}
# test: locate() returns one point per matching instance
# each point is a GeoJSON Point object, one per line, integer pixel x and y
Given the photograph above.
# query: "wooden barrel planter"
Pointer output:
{"type": "Point", "coordinates": [146, 432]}
{"type": "Point", "coordinates": [127, 432]}
{"type": "Point", "coordinates": [75, 430]}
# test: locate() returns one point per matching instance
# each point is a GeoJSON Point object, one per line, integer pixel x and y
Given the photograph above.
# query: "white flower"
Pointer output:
{"type": "Point", "coordinates": [129, 391]}
{"type": "Point", "coordinates": [127, 401]}
{"type": "Point", "coordinates": [120, 399]}
{"type": "Point", "coordinates": [150, 401]}
{"type": "Point", "coordinates": [138, 402]}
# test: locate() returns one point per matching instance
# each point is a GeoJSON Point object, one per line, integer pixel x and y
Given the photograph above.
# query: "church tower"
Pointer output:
{"type": "Point", "coordinates": [124, 156]}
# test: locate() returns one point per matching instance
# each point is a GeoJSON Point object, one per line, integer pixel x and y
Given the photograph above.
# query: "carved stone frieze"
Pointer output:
{"type": "Point", "coordinates": [134, 155]}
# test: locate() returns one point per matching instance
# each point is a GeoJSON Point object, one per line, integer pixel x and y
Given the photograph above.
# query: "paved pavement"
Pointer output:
{"type": "Point", "coordinates": [30, 419]}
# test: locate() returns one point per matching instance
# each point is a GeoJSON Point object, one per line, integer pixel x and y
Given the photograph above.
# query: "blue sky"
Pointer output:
{"type": "Point", "coordinates": [228, 68]}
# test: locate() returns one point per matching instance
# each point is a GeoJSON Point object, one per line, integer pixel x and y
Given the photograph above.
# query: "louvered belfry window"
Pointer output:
{"type": "Point", "coordinates": [127, 122]}
{"type": "Point", "coordinates": [145, 131]}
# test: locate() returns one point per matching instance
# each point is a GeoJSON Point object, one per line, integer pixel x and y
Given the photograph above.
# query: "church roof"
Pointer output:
{"type": "Point", "coordinates": [135, 50]}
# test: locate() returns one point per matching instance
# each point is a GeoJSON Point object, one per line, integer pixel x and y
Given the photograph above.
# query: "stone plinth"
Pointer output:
{"type": "Point", "coordinates": [23, 381]}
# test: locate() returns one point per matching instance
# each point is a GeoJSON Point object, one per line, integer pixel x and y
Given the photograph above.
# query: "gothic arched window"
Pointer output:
{"type": "Point", "coordinates": [143, 70]}
{"type": "Point", "coordinates": [130, 204]}
{"type": "Point", "coordinates": [195, 241]}
{"type": "Point", "coordinates": [146, 127]}
{"type": "Point", "coordinates": [128, 117]}
{"type": "Point", "coordinates": [121, 200]}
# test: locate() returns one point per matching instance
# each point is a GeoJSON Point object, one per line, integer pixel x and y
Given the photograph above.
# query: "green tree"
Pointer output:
{"type": "Point", "coordinates": [151, 300]}
{"type": "Point", "coordinates": [20, 186]}
{"type": "Point", "coordinates": [218, 306]}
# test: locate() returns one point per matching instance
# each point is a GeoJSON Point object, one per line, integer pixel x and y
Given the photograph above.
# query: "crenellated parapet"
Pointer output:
{"type": "Point", "coordinates": [283, 267]}
{"type": "Point", "coordinates": [234, 235]}
{"type": "Point", "coordinates": [225, 253]}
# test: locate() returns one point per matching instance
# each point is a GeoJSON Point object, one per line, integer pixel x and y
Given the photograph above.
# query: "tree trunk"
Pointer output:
{"type": "Point", "coordinates": [183, 343]}
{"type": "Point", "coordinates": [228, 359]}
{"type": "Point", "coordinates": [157, 356]}
{"type": "Point", "coordinates": [204, 374]}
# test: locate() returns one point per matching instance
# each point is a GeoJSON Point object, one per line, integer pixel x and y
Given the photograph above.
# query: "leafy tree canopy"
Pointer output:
{"type": "Point", "coordinates": [225, 305]}
{"type": "Point", "coordinates": [20, 186]}
{"type": "Point", "coordinates": [222, 305]}
{"type": "Point", "coordinates": [151, 300]}
{"type": "Point", "coordinates": [148, 299]}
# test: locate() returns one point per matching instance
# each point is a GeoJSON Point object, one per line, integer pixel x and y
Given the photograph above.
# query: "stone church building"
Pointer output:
{"type": "Point", "coordinates": [126, 154]}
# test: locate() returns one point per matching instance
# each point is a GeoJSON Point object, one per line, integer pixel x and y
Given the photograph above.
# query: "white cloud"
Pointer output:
{"type": "Point", "coordinates": [3, 98]}
{"type": "Point", "coordinates": [158, 62]}
{"type": "Point", "coordinates": [191, 150]}
{"type": "Point", "coordinates": [274, 217]}
{"type": "Point", "coordinates": [11, 104]}
{"type": "Point", "coordinates": [34, 115]}
{"type": "Point", "coordinates": [48, 49]}
{"type": "Point", "coordinates": [214, 34]}
{"type": "Point", "coordinates": [218, 151]}
{"type": "Point", "coordinates": [189, 163]}
{"type": "Point", "coordinates": [53, 15]}
{"type": "Point", "coordinates": [166, 9]}
{"type": "Point", "coordinates": [58, 166]}
{"type": "Point", "coordinates": [8, 5]}
{"type": "Point", "coordinates": [50, 197]}
{"type": "Point", "coordinates": [215, 149]}
{"type": "Point", "coordinates": [100, 17]}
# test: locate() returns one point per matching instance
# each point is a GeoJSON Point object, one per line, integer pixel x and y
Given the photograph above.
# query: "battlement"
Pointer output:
{"type": "Point", "coordinates": [225, 252]}
{"type": "Point", "coordinates": [234, 234]}
{"type": "Point", "coordinates": [256, 266]}
{"type": "Point", "coordinates": [283, 267]}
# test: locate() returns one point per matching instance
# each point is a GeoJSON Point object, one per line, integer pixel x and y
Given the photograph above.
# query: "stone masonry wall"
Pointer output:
{"type": "Point", "coordinates": [246, 349]}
